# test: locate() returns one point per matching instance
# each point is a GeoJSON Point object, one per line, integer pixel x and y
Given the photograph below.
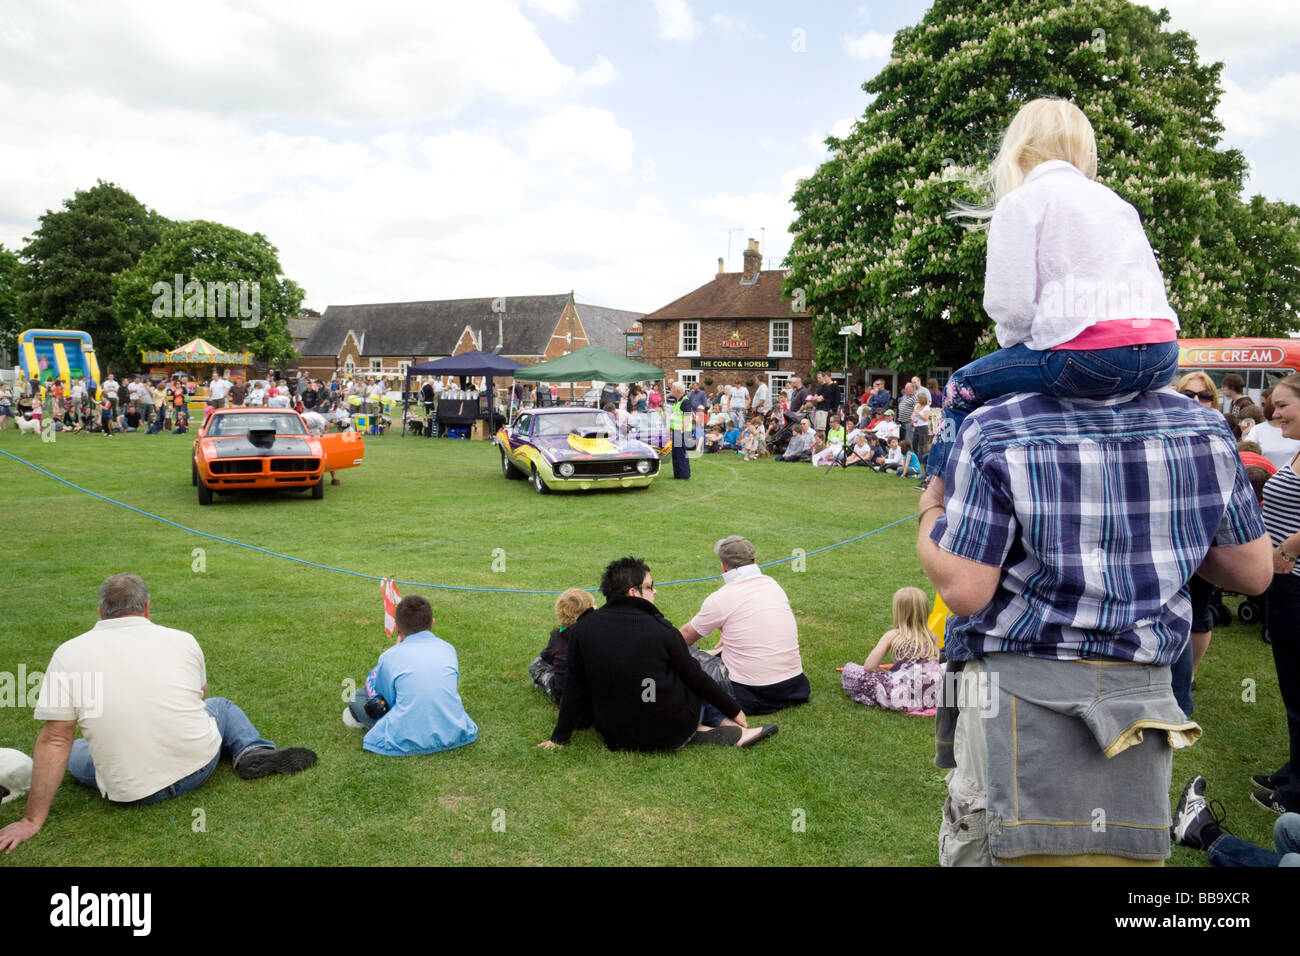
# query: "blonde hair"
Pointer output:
{"type": "Point", "coordinates": [570, 605]}
{"type": "Point", "coordinates": [1209, 383]}
{"type": "Point", "coordinates": [911, 612]}
{"type": "Point", "coordinates": [1044, 129]}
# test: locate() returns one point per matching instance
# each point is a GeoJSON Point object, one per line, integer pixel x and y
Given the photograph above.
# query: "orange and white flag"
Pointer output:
{"type": "Point", "coordinates": [391, 597]}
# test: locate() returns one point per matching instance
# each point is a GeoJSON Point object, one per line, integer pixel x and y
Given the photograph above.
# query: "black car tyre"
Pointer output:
{"type": "Point", "coordinates": [194, 473]}
{"type": "Point", "coordinates": [507, 469]}
{"type": "Point", "coordinates": [539, 486]}
{"type": "Point", "coordinates": [205, 494]}
{"type": "Point", "coordinates": [318, 489]}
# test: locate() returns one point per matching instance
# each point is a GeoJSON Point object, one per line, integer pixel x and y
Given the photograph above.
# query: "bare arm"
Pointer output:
{"type": "Point", "coordinates": [1247, 568]}
{"type": "Point", "coordinates": [689, 634]}
{"type": "Point", "coordinates": [879, 651]}
{"type": "Point", "coordinates": [966, 586]}
{"type": "Point", "coordinates": [53, 745]}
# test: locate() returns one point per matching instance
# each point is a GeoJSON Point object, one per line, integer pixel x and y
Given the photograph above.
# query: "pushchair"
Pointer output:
{"type": "Point", "coordinates": [777, 443]}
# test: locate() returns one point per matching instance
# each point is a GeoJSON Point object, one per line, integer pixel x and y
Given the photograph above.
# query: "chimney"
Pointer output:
{"type": "Point", "coordinates": [753, 263]}
{"type": "Point", "coordinates": [721, 267]}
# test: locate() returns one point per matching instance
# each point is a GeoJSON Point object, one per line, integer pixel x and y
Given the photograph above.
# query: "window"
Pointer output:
{"type": "Point", "coordinates": [376, 365]}
{"type": "Point", "coordinates": [940, 375]}
{"type": "Point", "coordinates": [688, 338]}
{"type": "Point", "coordinates": [349, 366]}
{"type": "Point", "coordinates": [777, 381]}
{"type": "Point", "coordinates": [688, 377]}
{"type": "Point", "coordinates": [402, 367]}
{"type": "Point", "coordinates": [778, 337]}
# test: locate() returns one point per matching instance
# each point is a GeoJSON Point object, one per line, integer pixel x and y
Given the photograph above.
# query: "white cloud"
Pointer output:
{"type": "Point", "coordinates": [868, 46]}
{"type": "Point", "coordinates": [1235, 31]}
{"type": "Point", "coordinates": [600, 73]}
{"type": "Point", "coordinates": [1267, 109]}
{"type": "Point", "coordinates": [839, 129]}
{"type": "Point", "coordinates": [676, 21]}
{"type": "Point", "coordinates": [580, 140]}
{"type": "Point", "coordinates": [560, 9]}
{"type": "Point", "coordinates": [314, 60]}
{"type": "Point", "coordinates": [765, 215]}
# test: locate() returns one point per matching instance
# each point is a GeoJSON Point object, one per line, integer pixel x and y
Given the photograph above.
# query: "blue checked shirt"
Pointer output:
{"type": "Point", "coordinates": [1098, 512]}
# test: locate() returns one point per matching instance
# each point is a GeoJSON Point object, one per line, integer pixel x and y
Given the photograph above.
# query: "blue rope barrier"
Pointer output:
{"type": "Point", "coordinates": [415, 584]}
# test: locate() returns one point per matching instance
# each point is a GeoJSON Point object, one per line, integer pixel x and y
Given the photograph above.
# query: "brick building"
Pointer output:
{"type": "Point", "coordinates": [383, 339]}
{"type": "Point", "coordinates": [736, 328]}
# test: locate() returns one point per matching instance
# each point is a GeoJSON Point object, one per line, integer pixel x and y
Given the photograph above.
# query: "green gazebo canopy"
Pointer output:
{"type": "Point", "coordinates": [588, 365]}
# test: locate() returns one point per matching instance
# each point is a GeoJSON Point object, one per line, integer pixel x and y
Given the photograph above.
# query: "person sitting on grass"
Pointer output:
{"type": "Point", "coordinates": [801, 443]}
{"type": "Point", "coordinates": [548, 668]}
{"type": "Point", "coordinates": [182, 422]}
{"type": "Point", "coordinates": [731, 437]}
{"type": "Point", "coordinates": [138, 693]}
{"type": "Point", "coordinates": [632, 676]}
{"type": "Point", "coordinates": [911, 466]}
{"type": "Point", "coordinates": [1198, 827]}
{"type": "Point", "coordinates": [713, 440]}
{"type": "Point", "coordinates": [912, 684]}
{"type": "Point", "coordinates": [864, 451]}
{"type": "Point", "coordinates": [893, 457]}
{"type": "Point", "coordinates": [411, 701]}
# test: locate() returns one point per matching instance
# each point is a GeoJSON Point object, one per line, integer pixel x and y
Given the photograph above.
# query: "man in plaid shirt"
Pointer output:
{"type": "Point", "coordinates": [1063, 537]}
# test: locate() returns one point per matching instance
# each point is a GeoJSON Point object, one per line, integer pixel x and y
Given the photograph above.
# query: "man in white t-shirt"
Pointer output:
{"type": "Point", "coordinates": [109, 388]}
{"type": "Point", "coordinates": [760, 640]}
{"type": "Point", "coordinates": [218, 390]}
{"type": "Point", "coordinates": [138, 693]}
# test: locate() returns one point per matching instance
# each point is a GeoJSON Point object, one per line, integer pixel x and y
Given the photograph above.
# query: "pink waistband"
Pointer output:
{"type": "Point", "coordinates": [1116, 333]}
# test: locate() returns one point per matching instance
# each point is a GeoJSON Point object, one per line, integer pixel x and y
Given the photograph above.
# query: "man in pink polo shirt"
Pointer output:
{"type": "Point", "coordinates": [760, 640]}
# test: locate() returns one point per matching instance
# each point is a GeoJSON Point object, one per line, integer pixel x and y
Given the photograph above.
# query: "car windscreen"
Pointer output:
{"type": "Point", "coordinates": [582, 422]}
{"type": "Point", "coordinates": [227, 426]}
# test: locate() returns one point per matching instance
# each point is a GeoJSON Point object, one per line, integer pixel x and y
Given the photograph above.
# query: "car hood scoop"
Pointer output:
{"type": "Point", "coordinates": [262, 443]}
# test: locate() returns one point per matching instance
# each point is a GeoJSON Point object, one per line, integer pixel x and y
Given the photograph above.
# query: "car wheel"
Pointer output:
{"type": "Point", "coordinates": [318, 489]}
{"type": "Point", "coordinates": [194, 473]}
{"type": "Point", "coordinates": [539, 486]}
{"type": "Point", "coordinates": [507, 469]}
{"type": "Point", "coordinates": [205, 494]}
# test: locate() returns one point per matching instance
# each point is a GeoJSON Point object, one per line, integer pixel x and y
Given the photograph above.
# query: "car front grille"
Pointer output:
{"type": "Point", "coordinates": [237, 466]}
{"type": "Point", "coordinates": [295, 464]}
{"type": "Point", "coordinates": [610, 469]}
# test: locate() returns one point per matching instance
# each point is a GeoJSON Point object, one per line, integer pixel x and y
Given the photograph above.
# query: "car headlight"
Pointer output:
{"type": "Point", "coordinates": [565, 470]}
{"type": "Point", "coordinates": [643, 466]}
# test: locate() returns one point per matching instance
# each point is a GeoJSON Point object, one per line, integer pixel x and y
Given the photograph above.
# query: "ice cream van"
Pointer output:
{"type": "Point", "coordinates": [1261, 362]}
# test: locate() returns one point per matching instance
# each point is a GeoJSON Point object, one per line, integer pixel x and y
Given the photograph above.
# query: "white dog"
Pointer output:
{"type": "Point", "coordinates": [28, 425]}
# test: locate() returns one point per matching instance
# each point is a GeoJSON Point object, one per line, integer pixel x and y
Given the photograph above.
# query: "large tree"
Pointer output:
{"type": "Point", "coordinates": [206, 280]}
{"type": "Point", "coordinates": [10, 324]}
{"type": "Point", "coordinates": [71, 260]}
{"type": "Point", "coordinates": [872, 241]}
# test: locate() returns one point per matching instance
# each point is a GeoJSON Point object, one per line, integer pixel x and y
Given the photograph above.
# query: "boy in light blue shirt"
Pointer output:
{"type": "Point", "coordinates": [411, 702]}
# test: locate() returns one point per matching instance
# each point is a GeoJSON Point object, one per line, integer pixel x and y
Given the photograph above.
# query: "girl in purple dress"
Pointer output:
{"type": "Point", "coordinates": [912, 684]}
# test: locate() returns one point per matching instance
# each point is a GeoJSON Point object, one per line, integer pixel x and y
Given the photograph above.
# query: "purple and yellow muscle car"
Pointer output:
{"type": "Point", "coordinates": [568, 449]}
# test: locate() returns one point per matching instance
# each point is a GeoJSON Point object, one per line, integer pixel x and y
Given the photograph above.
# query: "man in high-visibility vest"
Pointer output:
{"type": "Point", "coordinates": [679, 407]}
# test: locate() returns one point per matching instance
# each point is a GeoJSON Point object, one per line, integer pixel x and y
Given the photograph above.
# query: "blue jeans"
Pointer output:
{"type": "Point", "coordinates": [357, 707]}
{"type": "Point", "coordinates": [237, 736]}
{"type": "Point", "coordinates": [1229, 850]}
{"type": "Point", "coordinates": [1064, 373]}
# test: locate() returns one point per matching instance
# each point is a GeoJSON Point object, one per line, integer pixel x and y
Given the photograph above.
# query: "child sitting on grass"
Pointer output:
{"type": "Point", "coordinates": [547, 669]}
{"type": "Point", "coordinates": [912, 684]}
{"type": "Point", "coordinates": [411, 702]}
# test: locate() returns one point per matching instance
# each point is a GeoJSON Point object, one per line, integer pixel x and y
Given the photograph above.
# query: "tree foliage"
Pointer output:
{"type": "Point", "coordinates": [206, 280]}
{"type": "Point", "coordinates": [72, 257]}
{"type": "Point", "coordinates": [872, 242]}
{"type": "Point", "coordinates": [10, 324]}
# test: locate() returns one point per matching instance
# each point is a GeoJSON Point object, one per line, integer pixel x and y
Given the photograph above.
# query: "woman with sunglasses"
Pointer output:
{"type": "Point", "coordinates": [1199, 388]}
{"type": "Point", "coordinates": [1281, 789]}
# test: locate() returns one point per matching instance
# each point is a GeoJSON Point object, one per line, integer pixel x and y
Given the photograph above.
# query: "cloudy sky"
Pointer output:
{"type": "Point", "coordinates": [411, 150]}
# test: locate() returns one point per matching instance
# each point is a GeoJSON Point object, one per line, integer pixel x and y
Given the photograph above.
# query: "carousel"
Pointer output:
{"type": "Point", "coordinates": [195, 361]}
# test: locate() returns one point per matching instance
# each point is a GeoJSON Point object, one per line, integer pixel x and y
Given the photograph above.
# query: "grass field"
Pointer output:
{"type": "Point", "coordinates": [840, 785]}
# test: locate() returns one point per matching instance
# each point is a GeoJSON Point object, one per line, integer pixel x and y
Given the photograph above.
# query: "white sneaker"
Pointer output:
{"type": "Point", "coordinates": [350, 721]}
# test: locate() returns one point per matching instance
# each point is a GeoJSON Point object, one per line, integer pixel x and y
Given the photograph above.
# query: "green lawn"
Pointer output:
{"type": "Point", "coordinates": [841, 784]}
